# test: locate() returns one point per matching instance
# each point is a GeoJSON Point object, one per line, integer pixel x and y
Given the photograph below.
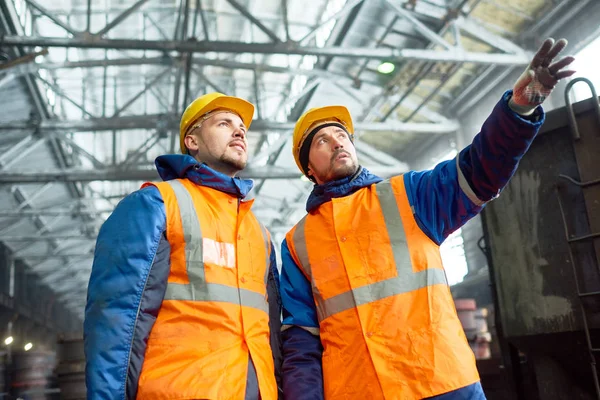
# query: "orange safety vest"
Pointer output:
{"type": "Point", "coordinates": [387, 320]}
{"type": "Point", "coordinates": [215, 312]}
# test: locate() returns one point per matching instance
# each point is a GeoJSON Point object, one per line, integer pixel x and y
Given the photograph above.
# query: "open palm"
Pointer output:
{"type": "Point", "coordinates": [541, 76]}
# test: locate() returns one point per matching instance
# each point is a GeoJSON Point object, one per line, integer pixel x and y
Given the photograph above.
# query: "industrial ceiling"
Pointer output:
{"type": "Point", "coordinates": [92, 92]}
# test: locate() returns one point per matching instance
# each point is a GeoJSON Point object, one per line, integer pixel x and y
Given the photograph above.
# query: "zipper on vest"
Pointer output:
{"type": "Point", "coordinates": [237, 270]}
{"type": "Point", "coordinates": [251, 367]}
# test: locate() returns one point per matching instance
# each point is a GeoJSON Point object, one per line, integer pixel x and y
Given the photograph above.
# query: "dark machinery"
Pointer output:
{"type": "Point", "coordinates": [543, 245]}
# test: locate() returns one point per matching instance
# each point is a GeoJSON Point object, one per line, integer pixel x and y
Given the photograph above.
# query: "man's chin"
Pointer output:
{"type": "Point", "coordinates": [239, 165]}
{"type": "Point", "coordinates": [344, 171]}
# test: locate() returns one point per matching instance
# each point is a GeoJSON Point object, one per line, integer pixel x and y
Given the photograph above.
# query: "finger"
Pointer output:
{"type": "Point", "coordinates": [557, 66]}
{"type": "Point", "coordinates": [554, 51]}
{"type": "Point", "coordinates": [542, 53]}
{"type": "Point", "coordinates": [564, 74]}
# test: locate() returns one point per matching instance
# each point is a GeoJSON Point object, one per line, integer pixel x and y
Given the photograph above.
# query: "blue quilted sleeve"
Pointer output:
{"type": "Point", "coordinates": [125, 292]}
{"type": "Point", "coordinates": [445, 198]}
{"type": "Point", "coordinates": [274, 300]}
{"type": "Point", "coordinates": [302, 349]}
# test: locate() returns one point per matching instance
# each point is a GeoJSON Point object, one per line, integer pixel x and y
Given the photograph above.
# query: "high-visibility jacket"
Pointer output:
{"type": "Point", "coordinates": [178, 293]}
{"type": "Point", "coordinates": [216, 291]}
{"type": "Point", "coordinates": [368, 281]}
{"type": "Point", "coordinates": [366, 310]}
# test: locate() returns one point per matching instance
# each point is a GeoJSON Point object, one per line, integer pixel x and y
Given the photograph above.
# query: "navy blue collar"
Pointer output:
{"type": "Point", "coordinates": [180, 166]}
{"type": "Point", "coordinates": [340, 188]}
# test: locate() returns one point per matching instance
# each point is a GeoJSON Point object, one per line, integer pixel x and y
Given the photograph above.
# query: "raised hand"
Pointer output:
{"type": "Point", "coordinates": [540, 77]}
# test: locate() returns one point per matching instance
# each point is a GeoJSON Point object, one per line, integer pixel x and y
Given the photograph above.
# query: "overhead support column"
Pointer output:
{"type": "Point", "coordinates": [171, 121]}
{"type": "Point", "coordinates": [392, 55]}
{"type": "Point", "coordinates": [117, 174]}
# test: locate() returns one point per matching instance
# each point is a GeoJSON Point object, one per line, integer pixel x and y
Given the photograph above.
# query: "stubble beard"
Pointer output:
{"type": "Point", "coordinates": [235, 164]}
{"type": "Point", "coordinates": [344, 171]}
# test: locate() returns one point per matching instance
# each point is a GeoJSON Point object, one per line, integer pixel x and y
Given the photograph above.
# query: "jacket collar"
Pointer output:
{"type": "Point", "coordinates": [182, 166]}
{"type": "Point", "coordinates": [340, 188]}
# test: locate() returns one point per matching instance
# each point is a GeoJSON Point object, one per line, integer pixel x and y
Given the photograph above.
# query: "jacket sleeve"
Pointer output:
{"type": "Point", "coordinates": [445, 198]}
{"type": "Point", "coordinates": [275, 319]}
{"type": "Point", "coordinates": [125, 291]}
{"type": "Point", "coordinates": [302, 349]}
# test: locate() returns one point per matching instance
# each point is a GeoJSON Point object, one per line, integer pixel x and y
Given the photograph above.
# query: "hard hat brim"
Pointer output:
{"type": "Point", "coordinates": [314, 115]}
{"type": "Point", "coordinates": [241, 107]}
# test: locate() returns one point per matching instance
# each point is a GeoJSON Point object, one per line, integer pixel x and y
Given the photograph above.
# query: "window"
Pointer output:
{"type": "Point", "coordinates": [586, 65]}
{"type": "Point", "coordinates": [453, 249]}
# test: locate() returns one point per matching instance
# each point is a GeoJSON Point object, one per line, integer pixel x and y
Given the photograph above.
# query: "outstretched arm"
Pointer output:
{"type": "Point", "coordinates": [445, 198]}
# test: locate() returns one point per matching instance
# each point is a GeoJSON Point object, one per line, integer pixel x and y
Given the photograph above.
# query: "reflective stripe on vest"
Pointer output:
{"type": "Point", "coordinates": [198, 289]}
{"type": "Point", "coordinates": [405, 281]}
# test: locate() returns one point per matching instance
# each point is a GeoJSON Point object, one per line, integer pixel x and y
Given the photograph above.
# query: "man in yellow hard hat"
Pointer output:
{"type": "Point", "coordinates": [182, 299]}
{"type": "Point", "coordinates": [367, 311]}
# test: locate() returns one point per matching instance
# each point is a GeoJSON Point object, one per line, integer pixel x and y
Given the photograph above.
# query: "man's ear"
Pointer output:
{"type": "Point", "coordinates": [191, 142]}
{"type": "Point", "coordinates": [310, 174]}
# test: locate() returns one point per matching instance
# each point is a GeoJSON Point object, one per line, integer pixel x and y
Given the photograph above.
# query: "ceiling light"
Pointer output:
{"type": "Point", "coordinates": [386, 68]}
{"type": "Point", "coordinates": [28, 346]}
{"type": "Point", "coordinates": [8, 340]}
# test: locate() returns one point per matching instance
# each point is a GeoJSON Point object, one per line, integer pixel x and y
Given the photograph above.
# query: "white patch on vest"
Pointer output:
{"type": "Point", "coordinates": [218, 253]}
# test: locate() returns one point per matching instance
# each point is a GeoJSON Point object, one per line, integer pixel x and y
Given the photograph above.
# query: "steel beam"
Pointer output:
{"type": "Point", "coordinates": [567, 16]}
{"type": "Point", "coordinates": [114, 174]}
{"type": "Point", "coordinates": [81, 151]}
{"type": "Point", "coordinates": [173, 7]}
{"type": "Point", "coordinates": [15, 150]}
{"type": "Point", "coordinates": [7, 78]}
{"type": "Point", "coordinates": [284, 16]}
{"type": "Point", "coordinates": [120, 18]}
{"type": "Point", "coordinates": [51, 256]}
{"type": "Point", "coordinates": [28, 238]}
{"type": "Point", "coordinates": [141, 151]}
{"type": "Point", "coordinates": [345, 10]}
{"type": "Point", "coordinates": [428, 11]}
{"type": "Point", "coordinates": [546, 16]}
{"type": "Point", "coordinates": [419, 26]}
{"type": "Point", "coordinates": [52, 17]}
{"type": "Point", "coordinates": [481, 78]}
{"type": "Point", "coordinates": [389, 54]}
{"type": "Point", "coordinates": [230, 64]}
{"type": "Point", "coordinates": [204, 20]}
{"type": "Point", "coordinates": [17, 158]}
{"type": "Point", "coordinates": [379, 157]}
{"type": "Point", "coordinates": [50, 212]}
{"type": "Point", "coordinates": [88, 17]}
{"type": "Point", "coordinates": [61, 93]}
{"type": "Point", "coordinates": [132, 100]}
{"type": "Point", "coordinates": [510, 9]}
{"type": "Point", "coordinates": [490, 85]}
{"type": "Point", "coordinates": [26, 59]}
{"type": "Point", "coordinates": [208, 81]}
{"type": "Point", "coordinates": [488, 37]}
{"type": "Point", "coordinates": [378, 43]}
{"type": "Point", "coordinates": [171, 121]}
{"type": "Point", "coordinates": [157, 26]}
{"type": "Point", "coordinates": [242, 10]}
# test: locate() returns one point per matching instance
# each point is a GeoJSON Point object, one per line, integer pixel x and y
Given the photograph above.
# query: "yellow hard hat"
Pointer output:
{"type": "Point", "coordinates": [211, 102]}
{"type": "Point", "coordinates": [311, 118]}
